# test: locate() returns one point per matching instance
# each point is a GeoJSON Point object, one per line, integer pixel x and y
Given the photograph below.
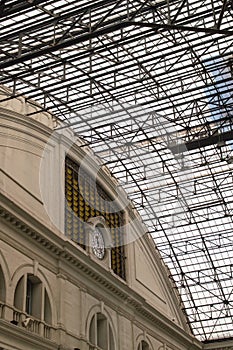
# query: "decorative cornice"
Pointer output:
{"type": "Point", "coordinates": [18, 224]}
{"type": "Point", "coordinates": [21, 106]}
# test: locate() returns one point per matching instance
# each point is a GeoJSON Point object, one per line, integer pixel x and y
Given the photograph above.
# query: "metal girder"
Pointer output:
{"type": "Point", "coordinates": [102, 26]}
{"type": "Point", "coordinates": [148, 85]}
{"type": "Point", "coordinates": [8, 8]}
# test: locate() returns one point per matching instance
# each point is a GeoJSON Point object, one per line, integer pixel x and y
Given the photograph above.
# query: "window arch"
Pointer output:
{"type": "Point", "coordinates": [86, 199]}
{"type": "Point", "coordinates": [32, 298]}
{"type": "Point", "coordinates": [100, 333]}
{"type": "Point", "coordinates": [143, 345]}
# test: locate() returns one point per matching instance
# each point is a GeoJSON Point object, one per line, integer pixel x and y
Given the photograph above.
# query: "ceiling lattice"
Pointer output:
{"type": "Point", "coordinates": [148, 85]}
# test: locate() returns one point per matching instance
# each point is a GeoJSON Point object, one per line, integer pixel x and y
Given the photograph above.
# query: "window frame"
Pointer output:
{"type": "Point", "coordinates": [31, 297]}
{"type": "Point", "coordinates": [100, 333]}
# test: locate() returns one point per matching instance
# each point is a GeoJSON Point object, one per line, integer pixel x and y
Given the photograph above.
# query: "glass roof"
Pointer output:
{"type": "Point", "coordinates": [148, 85]}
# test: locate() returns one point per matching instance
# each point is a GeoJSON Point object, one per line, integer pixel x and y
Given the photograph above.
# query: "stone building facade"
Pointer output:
{"type": "Point", "coordinates": [74, 274]}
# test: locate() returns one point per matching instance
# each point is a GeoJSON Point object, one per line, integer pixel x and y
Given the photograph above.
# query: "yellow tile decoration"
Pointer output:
{"type": "Point", "coordinates": [78, 211]}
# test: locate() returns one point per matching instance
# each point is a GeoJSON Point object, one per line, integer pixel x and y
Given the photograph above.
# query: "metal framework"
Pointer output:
{"type": "Point", "coordinates": [148, 85]}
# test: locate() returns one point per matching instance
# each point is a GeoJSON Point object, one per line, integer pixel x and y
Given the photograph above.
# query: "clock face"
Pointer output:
{"type": "Point", "coordinates": [97, 242]}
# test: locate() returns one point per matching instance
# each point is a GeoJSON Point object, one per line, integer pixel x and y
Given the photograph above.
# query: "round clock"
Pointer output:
{"type": "Point", "coordinates": [97, 242]}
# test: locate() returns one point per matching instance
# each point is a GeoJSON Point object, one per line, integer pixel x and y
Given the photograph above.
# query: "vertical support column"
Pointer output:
{"type": "Point", "coordinates": [168, 13]}
{"type": "Point", "coordinates": [61, 281]}
{"type": "Point", "coordinates": [41, 325]}
{"type": "Point", "coordinates": [83, 313]}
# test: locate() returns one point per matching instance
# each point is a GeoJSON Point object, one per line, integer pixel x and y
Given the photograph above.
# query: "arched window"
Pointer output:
{"type": "Point", "coordinates": [86, 199]}
{"type": "Point", "coordinates": [32, 298]}
{"type": "Point", "coordinates": [100, 333]}
{"type": "Point", "coordinates": [143, 345]}
{"type": "Point", "coordinates": [2, 286]}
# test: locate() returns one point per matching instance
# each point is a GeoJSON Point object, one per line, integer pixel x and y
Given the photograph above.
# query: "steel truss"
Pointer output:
{"type": "Point", "coordinates": [148, 85]}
